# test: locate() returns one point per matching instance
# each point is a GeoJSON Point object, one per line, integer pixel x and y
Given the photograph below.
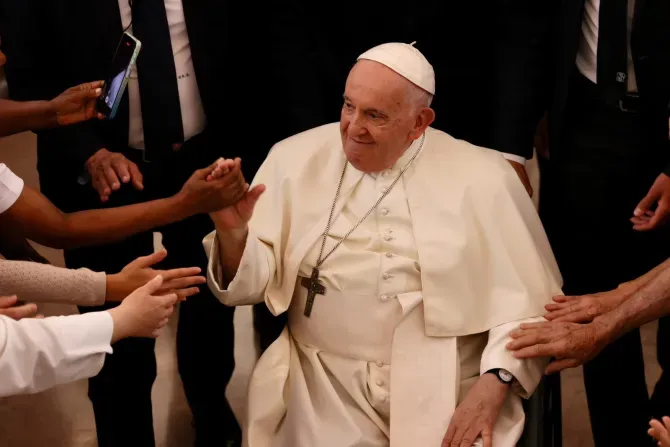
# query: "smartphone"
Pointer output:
{"type": "Point", "coordinates": [122, 64]}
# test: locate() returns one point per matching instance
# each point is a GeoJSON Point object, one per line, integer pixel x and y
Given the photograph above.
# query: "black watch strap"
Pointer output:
{"type": "Point", "coordinates": [503, 375]}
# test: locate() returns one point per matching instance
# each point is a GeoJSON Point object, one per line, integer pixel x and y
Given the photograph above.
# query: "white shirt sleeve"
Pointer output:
{"type": "Point", "coordinates": [11, 186]}
{"type": "Point", "coordinates": [512, 157]}
{"type": "Point", "coordinates": [39, 354]}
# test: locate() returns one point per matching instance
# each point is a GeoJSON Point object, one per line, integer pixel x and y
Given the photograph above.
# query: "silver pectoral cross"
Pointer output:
{"type": "Point", "coordinates": [314, 287]}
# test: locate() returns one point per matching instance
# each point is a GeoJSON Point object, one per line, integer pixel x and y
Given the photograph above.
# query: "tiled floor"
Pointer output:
{"type": "Point", "coordinates": [63, 417]}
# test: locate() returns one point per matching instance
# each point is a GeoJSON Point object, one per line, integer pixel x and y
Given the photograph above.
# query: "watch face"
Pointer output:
{"type": "Point", "coordinates": [505, 375]}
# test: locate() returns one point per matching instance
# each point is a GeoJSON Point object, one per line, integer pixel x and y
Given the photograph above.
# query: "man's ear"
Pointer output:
{"type": "Point", "coordinates": [424, 119]}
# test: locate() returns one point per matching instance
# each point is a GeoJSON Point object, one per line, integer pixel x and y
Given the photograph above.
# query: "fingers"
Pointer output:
{"type": "Point", "coordinates": [646, 203]}
{"type": "Point", "coordinates": [666, 422]}
{"type": "Point", "coordinates": [108, 169]}
{"type": "Point", "coordinates": [169, 275]}
{"type": "Point", "coordinates": [121, 167]}
{"type": "Point", "coordinates": [19, 312]}
{"type": "Point", "coordinates": [659, 432]}
{"type": "Point", "coordinates": [487, 437]}
{"type": "Point", "coordinates": [147, 261]}
{"type": "Point", "coordinates": [560, 365]}
{"type": "Point", "coordinates": [469, 437]}
{"type": "Point", "coordinates": [136, 176]}
{"type": "Point", "coordinates": [7, 301]}
{"type": "Point", "coordinates": [102, 187]}
{"type": "Point", "coordinates": [563, 299]}
{"type": "Point", "coordinates": [182, 294]}
{"type": "Point", "coordinates": [255, 193]}
{"type": "Point", "coordinates": [451, 432]}
{"type": "Point", "coordinates": [152, 286]}
{"type": "Point", "coordinates": [183, 283]}
{"type": "Point", "coordinates": [660, 215]}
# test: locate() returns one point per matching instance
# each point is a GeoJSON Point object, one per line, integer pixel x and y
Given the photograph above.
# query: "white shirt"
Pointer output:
{"type": "Point", "coordinates": [192, 112]}
{"type": "Point", "coordinates": [11, 187]}
{"type": "Point", "coordinates": [39, 354]}
{"type": "Point", "coordinates": [587, 57]}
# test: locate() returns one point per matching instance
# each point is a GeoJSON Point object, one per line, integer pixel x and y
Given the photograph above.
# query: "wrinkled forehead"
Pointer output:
{"type": "Point", "coordinates": [372, 81]}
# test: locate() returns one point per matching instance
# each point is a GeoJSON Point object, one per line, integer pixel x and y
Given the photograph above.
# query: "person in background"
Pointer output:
{"type": "Point", "coordinates": [601, 71]}
{"type": "Point", "coordinates": [36, 354]}
{"type": "Point", "coordinates": [580, 327]}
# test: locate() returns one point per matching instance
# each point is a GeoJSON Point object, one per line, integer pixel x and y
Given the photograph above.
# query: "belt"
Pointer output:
{"type": "Point", "coordinates": [629, 103]}
{"type": "Point", "coordinates": [176, 147]}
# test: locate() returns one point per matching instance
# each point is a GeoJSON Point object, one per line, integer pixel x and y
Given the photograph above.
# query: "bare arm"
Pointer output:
{"type": "Point", "coordinates": [648, 303]}
{"type": "Point", "coordinates": [47, 225]}
{"type": "Point", "coordinates": [18, 117]}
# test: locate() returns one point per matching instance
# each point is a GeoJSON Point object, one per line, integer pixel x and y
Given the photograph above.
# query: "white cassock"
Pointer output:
{"type": "Point", "coordinates": [419, 299]}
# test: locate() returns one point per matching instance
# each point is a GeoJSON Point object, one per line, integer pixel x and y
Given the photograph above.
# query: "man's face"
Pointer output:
{"type": "Point", "coordinates": [377, 122]}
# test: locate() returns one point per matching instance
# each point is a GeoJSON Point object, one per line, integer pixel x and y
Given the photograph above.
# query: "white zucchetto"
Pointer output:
{"type": "Point", "coordinates": [405, 60]}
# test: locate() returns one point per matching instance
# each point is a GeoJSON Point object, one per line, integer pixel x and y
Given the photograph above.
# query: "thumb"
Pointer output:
{"type": "Point", "coordinates": [646, 203]}
{"type": "Point", "coordinates": [255, 193]}
{"type": "Point", "coordinates": [84, 94]}
{"type": "Point", "coordinates": [147, 261]}
{"type": "Point", "coordinates": [152, 285]}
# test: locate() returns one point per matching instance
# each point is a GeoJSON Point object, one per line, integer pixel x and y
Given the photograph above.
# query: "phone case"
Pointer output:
{"type": "Point", "coordinates": [122, 89]}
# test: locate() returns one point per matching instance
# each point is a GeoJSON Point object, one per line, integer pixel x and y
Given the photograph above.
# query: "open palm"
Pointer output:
{"type": "Point", "coordinates": [238, 215]}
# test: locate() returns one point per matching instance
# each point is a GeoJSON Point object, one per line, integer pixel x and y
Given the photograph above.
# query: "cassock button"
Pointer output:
{"type": "Point", "coordinates": [387, 237]}
{"type": "Point", "coordinates": [385, 399]}
{"type": "Point", "coordinates": [384, 189]}
{"type": "Point", "coordinates": [380, 363]}
{"type": "Point", "coordinates": [386, 276]}
{"type": "Point", "coordinates": [385, 174]}
{"type": "Point", "coordinates": [384, 211]}
{"type": "Point", "coordinates": [389, 255]}
{"type": "Point", "coordinates": [383, 298]}
{"type": "Point", "coordinates": [379, 382]}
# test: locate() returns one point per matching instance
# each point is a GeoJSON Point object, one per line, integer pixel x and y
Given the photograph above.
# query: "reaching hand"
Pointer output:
{"type": "Point", "coordinates": [583, 309]}
{"type": "Point", "coordinates": [105, 169]}
{"type": "Point", "coordinates": [143, 314]}
{"type": "Point", "coordinates": [571, 344]}
{"type": "Point", "coordinates": [203, 193]}
{"type": "Point", "coordinates": [475, 417]}
{"type": "Point", "coordinates": [645, 217]}
{"type": "Point", "coordinates": [9, 308]}
{"type": "Point", "coordinates": [181, 281]}
{"type": "Point", "coordinates": [523, 176]}
{"type": "Point", "coordinates": [660, 431]}
{"type": "Point", "coordinates": [77, 104]}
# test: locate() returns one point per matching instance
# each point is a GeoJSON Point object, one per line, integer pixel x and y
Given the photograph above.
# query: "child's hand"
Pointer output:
{"type": "Point", "coordinates": [660, 431]}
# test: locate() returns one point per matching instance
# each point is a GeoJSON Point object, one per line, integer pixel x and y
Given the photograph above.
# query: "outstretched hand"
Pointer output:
{"type": "Point", "coordinates": [654, 210]}
{"type": "Point", "coordinates": [182, 282]}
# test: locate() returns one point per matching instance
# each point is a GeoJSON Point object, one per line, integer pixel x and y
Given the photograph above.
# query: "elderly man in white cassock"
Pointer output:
{"type": "Point", "coordinates": [404, 258]}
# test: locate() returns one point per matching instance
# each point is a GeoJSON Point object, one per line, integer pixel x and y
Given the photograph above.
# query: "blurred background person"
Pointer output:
{"type": "Point", "coordinates": [602, 71]}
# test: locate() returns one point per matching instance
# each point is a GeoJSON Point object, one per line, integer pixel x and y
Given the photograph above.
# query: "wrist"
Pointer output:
{"type": "Point", "coordinates": [113, 288]}
{"type": "Point", "coordinates": [232, 234]}
{"type": "Point", "coordinates": [120, 325]}
{"type": "Point", "coordinates": [181, 205]}
{"type": "Point", "coordinates": [50, 114]}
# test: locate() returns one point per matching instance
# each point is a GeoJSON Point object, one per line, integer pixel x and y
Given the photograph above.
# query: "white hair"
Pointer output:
{"type": "Point", "coordinates": [418, 97]}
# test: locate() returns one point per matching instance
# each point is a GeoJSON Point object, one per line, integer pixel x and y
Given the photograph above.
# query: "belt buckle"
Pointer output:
{"type": "Point", "coordinates": [622, 107]}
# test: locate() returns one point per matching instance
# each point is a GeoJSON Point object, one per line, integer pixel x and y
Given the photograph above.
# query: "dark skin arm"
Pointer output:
{"type": "Point", "coordinates": [70, 107]}
{"type": "Point", "coordinates": [44, 223]}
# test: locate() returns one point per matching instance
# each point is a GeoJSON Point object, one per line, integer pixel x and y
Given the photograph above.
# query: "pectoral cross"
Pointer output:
{"type": "Point", "coordinates": [313, 287]}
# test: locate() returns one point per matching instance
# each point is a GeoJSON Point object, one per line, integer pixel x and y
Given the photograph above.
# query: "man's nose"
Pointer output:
{"type": "Point", "coordinates": [356, 125]}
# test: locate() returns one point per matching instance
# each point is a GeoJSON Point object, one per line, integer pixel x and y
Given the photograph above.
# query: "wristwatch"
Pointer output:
{"type": "Point", "coordinates": [503, 375]}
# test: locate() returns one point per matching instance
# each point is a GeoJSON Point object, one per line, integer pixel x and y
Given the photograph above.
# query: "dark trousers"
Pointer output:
{"type": "Point", "coordinates": [121, 393]}
{"type": "Point", "coordinates": [604, 166]}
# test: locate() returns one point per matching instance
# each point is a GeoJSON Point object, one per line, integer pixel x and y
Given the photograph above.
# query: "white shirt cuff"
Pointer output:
{"type": "Point", "coordinates": [11, 187]}
{"type": "Point", "coordinates": [512, 157]}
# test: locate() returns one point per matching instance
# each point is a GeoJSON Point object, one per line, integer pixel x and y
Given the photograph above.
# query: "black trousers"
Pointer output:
{"type": "Point", "coordinates": [121, 393]}
{"type": "Point", "coordinates": [604, 166]}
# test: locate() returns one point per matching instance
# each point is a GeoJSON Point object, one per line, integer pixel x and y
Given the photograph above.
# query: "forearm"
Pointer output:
{"type": "Point", "coordinates": [33, 282]}
{"type": "Point", "coordinates": [18, 117]}
{"type": "Point", "coordinates": [47, 225]}
{"type": "Point", "coordinates": [649, 302]}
